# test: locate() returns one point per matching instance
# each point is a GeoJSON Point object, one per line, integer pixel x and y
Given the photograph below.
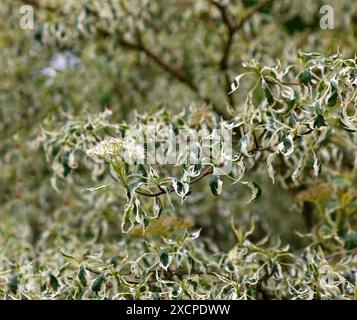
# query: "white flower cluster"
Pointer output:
{"type": "Point", "coordinates": [105, 149]}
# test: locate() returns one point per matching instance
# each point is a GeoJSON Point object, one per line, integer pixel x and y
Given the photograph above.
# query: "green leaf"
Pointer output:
{"type": "Point", "coordinates": [305, 77]}
{"type": "Point", "coordinates": [38, 34]}
{"type": "Point", "coordinates": [332, 99]}
{"type": "Point", "coordinates": [353, 74]}
{"type": "Point", "coordinates": [142, 170]}
{"type": "Point", "coordinates": [82, 276]}
{"type": "Point", "coordinates": [351, 240]}
{"type": "Point", "coordinates": [54, 282]}
{"type": "Point", "coordinates": [293, 119]}
{"type": "Point", "coordinates": [157, 208]}
{"type": "Point", "coordinates": [319, 121]}
{"type": "Point", "coordinates": [165, 260]}
{"type": "Point", "coordinates": [98, 282]}
{"type": "Point", "coordinates": [176, 290]}
{"type": "Point", "coordinates": [182, 188]}
{"type": "Point", "coordinates": [267, 92]}
{"type": "Point", "coordinates": [318, 108]}
{"type": "Point", "coordinates": [64, 161]}
{"type": "Point", "coordinates": [127, 223]}
{"type": "Point", "coordinates": [286, 146]}
{"type": "Point", "coordinates": [346, 122]}
{"type": "Point", "coordinates": [321, 86]}
{"type": "Point", "coordinates": [130, 191]}
{"type": "Point", "coordinates": [13, 284]}
{"type": "Point", "coordinates": [119, 168]}
{"type": "Point", "coordinates": [306, 56]}
{"type": "Point", "coordinates": [340, 182]}
{"type": "Point", "coordinates": [216, 185]}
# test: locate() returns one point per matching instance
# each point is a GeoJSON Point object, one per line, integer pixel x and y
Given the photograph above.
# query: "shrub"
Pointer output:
{"type": "Point", "coordinates": [158, 155]}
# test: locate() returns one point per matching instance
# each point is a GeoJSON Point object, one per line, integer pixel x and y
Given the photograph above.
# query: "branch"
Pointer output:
{"type": "Point", "coordinates": [232, 28]}
{"type": "Point", "coordinates": [228, 22]}
{"type": "Point", "coordinates": [257, 148]}
{"type": "Point", "coordinates": [175, 73]}
{"type": "Point", "coordinates": [178, 73]}
{"type": "Point", "coordinates": [224, 61]}
{"type": "Point", "coordinates": [169, 274]}
{"type": "Point", "coordinates": [208, 171]}
{"type": "Point", "coordinates": [278, 82]}
{"type": "Point", "coordinates": [140, 46]}
{"type": "Point", "coordinates": [223, 64]}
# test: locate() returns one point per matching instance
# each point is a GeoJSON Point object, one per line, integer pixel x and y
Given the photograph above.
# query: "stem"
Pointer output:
{"type": "Point", "coordinates": [209, 169]}
{"type": "Point", "coordinates": [162, 191]}
{"type": "Point", "coordinates": [232, 29]}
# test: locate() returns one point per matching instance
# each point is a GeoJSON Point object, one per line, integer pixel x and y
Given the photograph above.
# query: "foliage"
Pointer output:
{"type": "Point", "coordinates": [85, 215]}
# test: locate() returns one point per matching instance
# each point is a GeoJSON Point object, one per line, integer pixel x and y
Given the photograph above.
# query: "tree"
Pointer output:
{"type": "Point", "coordinates": [183, 149]}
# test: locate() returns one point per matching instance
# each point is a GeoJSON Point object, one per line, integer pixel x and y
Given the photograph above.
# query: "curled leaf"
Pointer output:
{"type": "Point", "coordinates": [286, 146]}
{"type": "Point", "coordinates": [316, 166]}
{"type": "Point", "coordinates": [255, 188]}
{"type": "Point", "coordinates": [300, 166]}
{"type": "Point", "coordinates": [235, 83]}
{"type": "Point", "coordinates": [157, 208]}
{"type": "Point", "coordinates": [269, 163]}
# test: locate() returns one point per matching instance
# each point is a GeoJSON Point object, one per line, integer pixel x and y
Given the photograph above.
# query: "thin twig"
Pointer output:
{"type": "Point", "coordinates": [208, 171]}
{"type": "Point", "coordinates": [168, 274]}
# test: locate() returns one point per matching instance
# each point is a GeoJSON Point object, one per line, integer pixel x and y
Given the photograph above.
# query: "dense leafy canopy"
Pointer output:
{"type": "Point", "coordinates": [271, 213]}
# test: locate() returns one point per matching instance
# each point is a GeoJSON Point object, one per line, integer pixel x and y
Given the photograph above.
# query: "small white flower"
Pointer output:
{"type": "Point", "coordinates": [105, 149]}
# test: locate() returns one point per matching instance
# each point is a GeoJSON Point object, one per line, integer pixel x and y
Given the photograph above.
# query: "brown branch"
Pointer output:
{"type": "Point", "coordinates": [228, 22]}
{"type": "Point", "coordinates": [257, 148]}
{"type": "Point", "coordinates": [140, 46]}
{"type": "Point", "coordinates": [175, 73]}
{"type": "Point", "coordinates": [232, 28]}
{"type": "Point", "coordinates": [224, 62]}
{"type": "Point", "coordinates": [208, 171]}
{"type": "Point", "coordinates": [278, 82]}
